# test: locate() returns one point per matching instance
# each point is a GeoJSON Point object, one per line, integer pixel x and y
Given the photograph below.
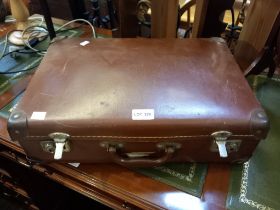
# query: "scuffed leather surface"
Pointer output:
{"type": "Point", "coordinates": [194, 86]}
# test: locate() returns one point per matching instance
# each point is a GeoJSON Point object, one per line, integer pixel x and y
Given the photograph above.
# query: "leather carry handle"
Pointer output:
{"type": "Point", "coordinates": [166, 153]}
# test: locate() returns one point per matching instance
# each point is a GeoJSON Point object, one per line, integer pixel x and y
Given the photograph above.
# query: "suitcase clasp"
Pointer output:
{"type": "Point", "coordinates": [223, 144]}
{"type": "Point", "coordinates": [58, 145]}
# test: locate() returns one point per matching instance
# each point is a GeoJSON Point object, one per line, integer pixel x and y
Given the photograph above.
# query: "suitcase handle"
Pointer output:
{"type": "Point", "coordinates": [116, 155]}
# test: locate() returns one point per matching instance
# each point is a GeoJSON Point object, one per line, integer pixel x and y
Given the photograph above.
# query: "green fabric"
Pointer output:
{"type": "Point", "coordinates": [188, 177]}
{"type": "Point", "coordinates": [256, 184]}
{"type": "Point", "coordinates": [6, 110]}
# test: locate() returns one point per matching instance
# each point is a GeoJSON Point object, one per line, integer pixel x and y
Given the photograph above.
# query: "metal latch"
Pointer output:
{"type": "Point", "coordinates": [221, 138]}
{"type": "Point", "coordinates": [58, 145]}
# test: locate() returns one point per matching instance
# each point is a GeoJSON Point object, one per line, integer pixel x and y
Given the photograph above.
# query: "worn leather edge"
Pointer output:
{"type": "Point", "coordinates": [17, 125]}
{"type": "Point", "coordinates": [259, 124]}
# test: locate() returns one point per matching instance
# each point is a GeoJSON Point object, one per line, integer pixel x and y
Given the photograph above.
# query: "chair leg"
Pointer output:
{"type": "Point", "coordinates": [47, 15]}
{"type": "Point", "coordinates": [271, 70]}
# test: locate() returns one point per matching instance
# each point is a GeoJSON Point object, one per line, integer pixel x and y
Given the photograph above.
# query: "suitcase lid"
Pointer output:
{"type": "Point", "coordinates": [140, 88]}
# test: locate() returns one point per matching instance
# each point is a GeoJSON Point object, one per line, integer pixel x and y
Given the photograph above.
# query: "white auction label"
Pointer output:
{"type": "Point", "coordinates": [38, 115]}
{"type": "Point", "coordinates": [76, 165]}
{"type": "Point", "coordinates": [143, 114]}
{"type": "Point", "coordinates": [84, 43]}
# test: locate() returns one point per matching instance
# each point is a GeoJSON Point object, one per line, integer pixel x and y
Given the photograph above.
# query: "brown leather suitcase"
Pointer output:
{"type": "Point", "coordinates": [138, 102]}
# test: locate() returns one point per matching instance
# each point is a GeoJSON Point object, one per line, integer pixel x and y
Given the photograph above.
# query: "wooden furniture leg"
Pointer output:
{"type": "Point", "coordinates": [268, 56]}
{"type": "Point", "coordinates": [127, 20]}
{"type": "Point", "coordinates": [47, 16]}
{"type": "Point", "coordinates": [256, 28]}
{"type": "Point", "coordinates": [199, 17]}
{"type": "Point", "coordinates": [164, 18]}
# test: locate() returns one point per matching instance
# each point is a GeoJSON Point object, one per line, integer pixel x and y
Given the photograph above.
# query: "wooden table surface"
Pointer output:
{"type": "Point", "coordinates": [117, 186]}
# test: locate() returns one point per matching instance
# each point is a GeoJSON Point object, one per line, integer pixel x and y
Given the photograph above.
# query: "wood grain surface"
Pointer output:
{"type": "Point", "coordinates": [164, 18]}
{"type": "Point", "coordinates": [199, 17]}
{"type": "Point", "coordinates": [257, 26]}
